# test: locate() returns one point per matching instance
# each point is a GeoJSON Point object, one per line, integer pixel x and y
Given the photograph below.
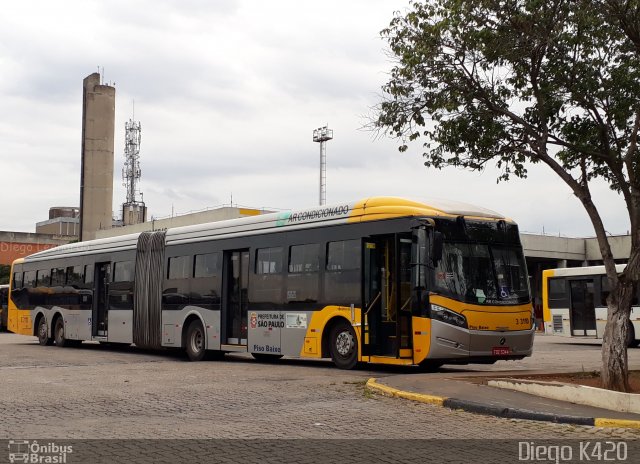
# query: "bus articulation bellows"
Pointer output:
{"type": "Point", "coordinates": [383, 280]}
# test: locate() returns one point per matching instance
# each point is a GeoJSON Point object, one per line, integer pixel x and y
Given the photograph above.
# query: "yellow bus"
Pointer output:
{"type": "Point", "coordinates": [574, 302]}
{"type": "Point", "coordinates": [383, 280]}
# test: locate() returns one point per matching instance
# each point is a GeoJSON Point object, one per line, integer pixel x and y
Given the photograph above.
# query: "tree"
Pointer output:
{"type": "Point", "coordinates": [513, 82]}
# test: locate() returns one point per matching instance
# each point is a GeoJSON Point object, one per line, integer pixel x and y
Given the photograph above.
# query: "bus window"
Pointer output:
{"type": "Point", "coordinates": [43, 278]}
{"type": "Point", "coordinates": [29, 279]}
{"type": "Point", "coordinates": [176, 292]}
{"type": "Point", "coordinates": [511, 271]}
{"type": "Point", "coordinates": [179, 267]}
{"type": "Point", "coordinates": [75, 276]}
{"type": "Point", "coordinates": [206, 285]}
{"type": "Point", "coordinates": [207, 265]}
{"type": "Point", "coordinates": [465, 271]}
{"type": "Point", "coordinates": [304, 258]}
{"type": "Point", "coordinates": [269, 260]}
{"type": "Point", "coordinates": [123, 271]}
{"type": "Point", "coordinates": [558, 293]}
{"type": "Point", "coordinates": [121, 287]}
{"type": "Point", "coordinates": [17, 280]}
{"type": "Point", "coordinates": [343, 256]}
{"type": "Point", "coordinates": [88, 274]}
{"type": "Point", "coordinates": [266, 287]}
{"type": "Point", "coordinates": [303, 283]}
{"type": "Point", "coordinates": [58, 277]}
{"type": "Point", "coordinates": [342, 276]}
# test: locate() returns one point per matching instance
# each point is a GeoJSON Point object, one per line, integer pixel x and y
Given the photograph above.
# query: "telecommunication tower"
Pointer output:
{"type": "Point", "coordinates": [133, 211]}
{"type": "Point", "coordinates": [322, 135]}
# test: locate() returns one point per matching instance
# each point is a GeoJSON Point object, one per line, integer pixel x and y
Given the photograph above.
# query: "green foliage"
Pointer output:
{"type": "Point", "coordinates": [5, 271]}
{"type": "Point", "coordinates": [511, 81]}
{"type": "Point", "coordinates": [518, 81]}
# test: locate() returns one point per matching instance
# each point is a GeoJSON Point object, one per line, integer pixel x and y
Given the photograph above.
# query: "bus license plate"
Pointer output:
{"type": "Point", "coordinates": [501, 351]}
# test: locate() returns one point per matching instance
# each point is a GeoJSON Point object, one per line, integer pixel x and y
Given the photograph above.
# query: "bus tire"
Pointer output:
{"type": "Point", "coordinates": [43, 336]}
{"type": "Point", "coordinates": [195, 342]}
{"type": "Point", "coordinates": [343, 346]}
{"type": "Point", "coordinates": [264, 357]}
{"type": "Point", "coordinates": [58, 333]}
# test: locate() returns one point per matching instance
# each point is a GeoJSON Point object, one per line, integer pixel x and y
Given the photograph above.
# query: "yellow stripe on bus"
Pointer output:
{"type": "Point", "coordinates": [546, 311]}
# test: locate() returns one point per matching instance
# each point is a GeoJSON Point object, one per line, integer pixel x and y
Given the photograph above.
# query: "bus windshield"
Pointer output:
{"type": "Point", "coordinates": [482, 274]}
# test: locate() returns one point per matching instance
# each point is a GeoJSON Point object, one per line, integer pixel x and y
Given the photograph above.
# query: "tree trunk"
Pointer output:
{"type": "Point", "coordinates": [615, 365]}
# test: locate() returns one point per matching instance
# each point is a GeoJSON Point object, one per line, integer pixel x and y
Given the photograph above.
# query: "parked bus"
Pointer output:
{"type": "Point", "coordinates": [384, 280]}
{"type": "Point", "coordinates": [575, 303]}
{"type": "Point", "coordinates": [4, 300]}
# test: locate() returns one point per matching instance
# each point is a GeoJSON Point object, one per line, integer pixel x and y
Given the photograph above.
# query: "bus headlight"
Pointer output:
{"type": "Point", "coordinates": [447, 316]}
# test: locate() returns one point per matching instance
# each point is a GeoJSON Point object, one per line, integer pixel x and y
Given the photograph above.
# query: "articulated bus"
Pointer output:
{"type": "Point", "coordinates": [384, 280]}
{"type": "Point", "coordinates": [575, 303]}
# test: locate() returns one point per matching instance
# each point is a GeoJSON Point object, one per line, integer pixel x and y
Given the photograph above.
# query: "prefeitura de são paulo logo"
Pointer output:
{"type": "Point", "coordinates": [38, 453]}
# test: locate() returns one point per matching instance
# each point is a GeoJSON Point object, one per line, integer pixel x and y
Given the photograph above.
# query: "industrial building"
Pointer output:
{"type": "Point", "coordinates": [64, 221]}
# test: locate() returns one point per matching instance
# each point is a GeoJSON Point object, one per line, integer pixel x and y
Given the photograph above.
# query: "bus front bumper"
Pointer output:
{"type": "Point", "coordinates": [457, 344]}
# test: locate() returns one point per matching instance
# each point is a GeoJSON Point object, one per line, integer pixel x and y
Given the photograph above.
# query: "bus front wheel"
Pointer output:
{"type": "Point", "coordinates": [195, 343]}
{"type": "Point", "coordinates": [344, 346]}
{"type": "Point", "coordinates": [43, 336]}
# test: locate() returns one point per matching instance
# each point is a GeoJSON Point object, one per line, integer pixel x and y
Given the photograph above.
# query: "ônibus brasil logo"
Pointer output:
{"type": "Point", "coordinates": [32, 452]}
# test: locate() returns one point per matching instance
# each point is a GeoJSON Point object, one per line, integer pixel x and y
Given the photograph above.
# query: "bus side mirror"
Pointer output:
{"type": "Point", "coordinates": [436, 250]}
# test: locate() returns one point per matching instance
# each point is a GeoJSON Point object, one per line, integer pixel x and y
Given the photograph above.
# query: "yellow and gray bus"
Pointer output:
{"type": "Point", "coordinates": [574, 302]}
{"type": "Point", "coordinates": [383, 280]}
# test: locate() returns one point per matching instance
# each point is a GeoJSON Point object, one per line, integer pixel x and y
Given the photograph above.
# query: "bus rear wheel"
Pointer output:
{"type": "Point", "coordinates": [195, 343]}
{"type": "Point", "coordinates": [344, 346]}
{"type": "Point", "coordinates": [58, 333]}
{"type": "Point", "coordinates": [43, 336]}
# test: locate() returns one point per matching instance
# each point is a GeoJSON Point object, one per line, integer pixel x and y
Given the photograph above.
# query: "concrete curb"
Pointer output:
{"type": "Point", "coordinates": [390, 391]}
{"type": "Point", "coordinates": [504, 412]}
{"type": "Point", "coordinates": [578, 394]}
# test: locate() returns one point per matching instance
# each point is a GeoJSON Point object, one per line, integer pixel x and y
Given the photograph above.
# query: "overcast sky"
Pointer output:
{"type": "Point", "coordinates": [228, 94]}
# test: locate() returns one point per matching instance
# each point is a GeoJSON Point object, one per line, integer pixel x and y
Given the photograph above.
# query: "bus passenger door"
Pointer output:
{"type": "Point", "coordinates": [372, 299]}
{"type": "Point", "coordinates": [235, 298]}
{"type": "Point", "coordinates": [582, 311]}
{"type": "Point", "coordinates": [387, 296]}
{"type": "Point", "coordinates": [101, 299]}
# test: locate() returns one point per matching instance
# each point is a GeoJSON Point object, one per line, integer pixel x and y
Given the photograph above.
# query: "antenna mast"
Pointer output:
{"type": "Point", "coordinates": [133, 211]}
{"type": "Point", "coordinates": [131, 172]}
